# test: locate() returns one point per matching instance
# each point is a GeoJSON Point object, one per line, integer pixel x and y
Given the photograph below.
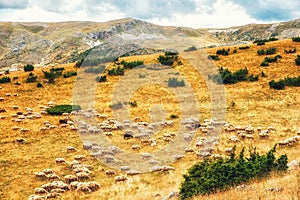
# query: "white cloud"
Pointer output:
{"type": "Point", "coordinates": [192, 13]}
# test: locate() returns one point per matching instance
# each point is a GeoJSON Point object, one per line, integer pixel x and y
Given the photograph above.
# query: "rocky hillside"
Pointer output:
{"type": "Point", "coordinates": [252, 32]}
{"type": "Point", "coordinates": [46, 43]}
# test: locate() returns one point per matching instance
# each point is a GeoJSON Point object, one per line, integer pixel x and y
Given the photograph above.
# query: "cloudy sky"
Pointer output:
{"type": "Point", "coordinates": [192, 13]}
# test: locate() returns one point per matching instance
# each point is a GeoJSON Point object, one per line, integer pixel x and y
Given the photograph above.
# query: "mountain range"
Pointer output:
{"type": "Point", "coordinates": [48, 43]}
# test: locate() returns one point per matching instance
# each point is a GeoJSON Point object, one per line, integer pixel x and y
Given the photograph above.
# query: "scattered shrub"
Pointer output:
{"type": "Point", "coordinates": [101, 78]}
{"type": "Point", "coordinates": [227, 77]}
{"type": "Point", "coordinates": [5, 79]}
{"type": "Point", "coordinates": [133, 64]}
{"type": "Point", "coordinates": [69, 74]}
{"type": "Point", "coordinates": [39, 85]}
{"type": "Point", "coordinates": [52, 75]}
{"type": "Point", "coordinates": [60, 109]}
{"type": "Point", "coordinates": [297, 60]}
{"type": "Point", "coordinates": [290, 50]}
{"type": "Point", "coordinates": [28, 68]}
{"type": "Point", "coordinates": [213, 57]}
{"type": "Point", "coordinates": [117, 105]}
{"type": "Point", "coordinates": [17, 83]}
{"type": "Point", "coordinates": [95, 70]}
{"type": "Point", "coordinates": [279, 85]}
{"type": "Point", "coordinates": [263, 74]}
{"type": "Point", "coordinates": [223, 52]}
{"type": "Point", "coordinates": [234, 51]}
{"type": "Point", "coordinates": [132, 103]}
{"type": "Point", "coordinates": [57, 69]}
{"type": "Point", "coordinates": [296, 39]}
{"type": "Point", "coordinates": [252, 78]}
{"type": "Point", "coordinates": [192, 48]}
{"type": "Point", "coordinates": [174, 82]}
{"type": "Point", "coordinates": [15, 78]}
{"type": "Point", "coordinates": [260, 43]}
{"type": "Point", "coordinates": [119, 71]}
{"type": "Point", "coordinates": [168, 59]}
{"type": "Point", "coordinates": [264, 64]}
{"type": "Point", "coordinates": [31, 78]}
{"type": "Point", "coordinates": [173, 116]}
{"type": "Point", "coordinates": [244, 47]}
{"type": "Point", "coordinates": [211, 176]}
{"type": "Point", "coordinates": [292, 81]}
{"type": "Point", "coordinates": [269, 51]}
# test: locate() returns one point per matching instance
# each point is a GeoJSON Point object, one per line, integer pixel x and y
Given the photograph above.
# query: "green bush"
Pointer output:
{"type": "Point", "coordinates": [39, 85]}
{"type": "Point", "coordinates": [244, 47]}
{"type": "Point", "coordinates": [211, 176]}
{"type": "Point", "coordinates": [174, 82]}
{"type": "Point", "coordinates": [60, 109]}
{"type": "Point", "coordinates": [69, 74]}
{"type": "Point", "coordinates": [5, 79]}
{"type": "Point", "coordinates": [28, 68]}
{"type": "Point", "coordinates": [290, 50]}
{"type": "Point", "coordinates": [263, 74]}
{"type": "Point", "coordinates": [252, 78]}
{"type": "Point", "coordinates": [95, 70]}
{"type": "Point", "coordinates": [234, 51]}
{"type": "Point", "coordinates": [119, 71]}
{"type": "Point", "coordinates": [132, 103]}
{"type": "Point", "coordinates": [133, 64]}
{"type": "Point", "coordinates": [213, 57]}
{"type": "Point", "coordinates": [173, 116]}
{"type": "Point", "coordinates": [297, 60]}
{"type": "Point", "coordinates": [292, 81]}
{"type": "Point", "coordinates": [167, 59]}
{"type": "Point", "coordinates": [260, 43]}
{"type": "Point", "coordinates": [31, 78]}
{"type": "Point", "coordinates": [52, 75]}
{"type": "Point", "coordinates": [227, 77]}
{"type": "Point", "coordinates": [57, 69]}
{"type": "Point", "coordinates": [192, 48]}
{"type": "Point", "coordinates": [269, 51]}
{"type": "Point", "coordinates": [223, 52]}
{"type": "Point", "coordinates": [279, 85]}
{"type": "Point", "coordinates": [296, 39]}
{"type": "Point", "coordinates": [101, 78]}
{"type": "Point", "coordinates": [264, 64]}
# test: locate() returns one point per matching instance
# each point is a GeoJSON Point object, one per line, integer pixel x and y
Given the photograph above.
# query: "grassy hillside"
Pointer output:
{"type": "Point", "coordinates": [248, 103]}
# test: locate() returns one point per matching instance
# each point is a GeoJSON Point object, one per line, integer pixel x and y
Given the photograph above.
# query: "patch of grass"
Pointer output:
{"type": "Point", "coordinates": [174, 82]}
{"type": "Point", "coordinates": [60, 109]}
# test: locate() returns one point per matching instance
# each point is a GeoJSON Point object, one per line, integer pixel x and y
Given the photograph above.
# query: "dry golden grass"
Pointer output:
{"type": "Point", "coordinates": [255, 104]}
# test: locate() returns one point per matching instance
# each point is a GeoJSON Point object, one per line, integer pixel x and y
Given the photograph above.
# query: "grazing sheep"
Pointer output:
{"type": "Point", "coordinates": [234, 139]}
{"type": "Point", "coordinates": [93, 185]}
{"type": "Point", "coordinates": [109, 134]}
{"type": "Point", "coordinates": [133, 172]}
{"type": "Point", "coordinates": [120, 178]}
{"type": "Point", "coordinates": [189, 150]}
{"type": "Point", "coordinates": [53, 177]}
{"type": "Point", "coordinates": [146, 155]}
{"type": "Point", "coordinates": [41, 175]}
{"type": "Point", "coordinates": [127, 136]}
{"type": "Point", "coordinates": [82, 176]}
{"type": "Point", "coordinates": [135, 147]}
{"type": "Point", "coordinates": [71, 149]}
{"type": "Point", "coordinates": [36, 197]}
{"type": "Point", "coordinates": [52, 195]}
{"type": "Point", "coordinates": [249, 137]}
{"type": "Point", "coordinates": [110, 172]}
{"type": "Point", "coordinates": [24, 130]}
{"type": "Point", "coordinates": [271, 128]}
{"type": "Point", "coordinates": [48, 171]}
{"type": "Point", "coordinates": [1, 99]}
{"type": "Point", "coordinates": [125, 168]}
{"type": "Point", "coordinates": [63, 121]}
{"type": "Point", "coordinates": [79, 157]}
{"type": "Point", "coordinates": [178, 157]}
{"type": "Point", "coordinates": [60, 161]}
{"type": "Point", "coordinates": [15, 107]}
{"type": "Point", "coordinates": [264, 135]}
{"type": "Point", "coordinates": [40, 191]}
{"type": "Point", "coordinates": [229, 150]}
{"type": "Point", "coordinates": [70, 178]}
{"type": "Point", "coordinates": [20, 140]}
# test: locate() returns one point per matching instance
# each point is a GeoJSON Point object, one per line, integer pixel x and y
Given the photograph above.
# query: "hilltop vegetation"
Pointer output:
{"type": "Point", "coordinates": [252, 105]}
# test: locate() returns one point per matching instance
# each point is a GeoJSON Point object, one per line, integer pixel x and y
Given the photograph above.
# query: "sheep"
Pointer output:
{"type": "Point", "coordinates": [60, 161]}
{"type": "Point", "coordinates": [2, 110]}
{"type": "Point", "coordinates": [127, 136]}
{"type": "Point", "coordinates": [249, 137]}
{"type": "Point", "coordinates": [40, 191]}
{"type": "Point", "coordinates": [53, 177]}
{"type": "Point", "coordinates": [109, 134]}
{"type": "Point", "coordinates": [15, 128]}
{"type": "Point", "coordinates": [110, 172]}
{"type": "Point", "coordinates": [189, 150]}
{"type": "Point", "coordinates": [133, 172]}
{"type": "Point", "coordinates": [36, 197]}
{"type": "Point", "coordinates": [229, 150]}
{"type": "Point", "coordinates": [24, 130]}
{"type": "Point", "coordinates": [124, 168]}
{"type": "Point", "coordinates": [20, 140]}
{"type": "Point", "coordinates": [48, 171]}
{"type": "Point", "coordinates": [15, 107]}
{"type": "Point", "coordinates": [8, 94]}
{"type": "Point", "coordinates": [79, 157]}
{"type": "Point", "coordinates": [264, 135]}
{"type": "Point", "coordinates": [135, 147]}
{"type": "Point", "coordinates": [63, 121]}
{"type": "Point", "coordinates": [120, 179]}
{"type": "Point", "coordinates": [70, 178]}
{"type": "Point", "coordinates": [41, 175]}
{"type": "Point", "coordinates": [71, 149]}
{"type": "Point", "coordinates": [52, 195]}
{"type": "Point", "coordinates": [178, 157]}
{"type": "Point", "coordinates": [1, 99]}
{"type": "Point", "coordinates": [271, 128]}
{"type": "Point", "coordinates": [234, 139]}
{"type": "Point", "coordinates": [93, 185]}
{"type": "Point", "coordinates": [83, 175]}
